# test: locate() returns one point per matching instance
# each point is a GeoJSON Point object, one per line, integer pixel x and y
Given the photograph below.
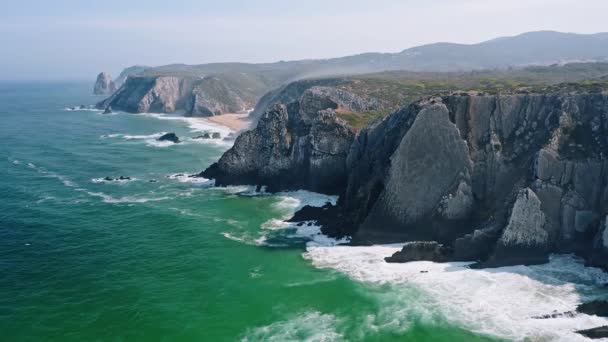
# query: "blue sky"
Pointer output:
{"type": "Point", "coordinates": [70, 39]}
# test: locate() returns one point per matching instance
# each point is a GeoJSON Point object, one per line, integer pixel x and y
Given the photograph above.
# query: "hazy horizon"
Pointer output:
{"type": "Point", "coordinates": [68, 40]}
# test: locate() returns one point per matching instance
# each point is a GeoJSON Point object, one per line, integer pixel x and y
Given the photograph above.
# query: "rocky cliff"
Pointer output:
{"type": "Point", "coordinates": [195, 96]}
{"type": "Point", "coordinates": [104, 84]}
{"type": "Point", "coordinates": [500, 179]}
{"type": "Point", "coordinates": [303, 144]}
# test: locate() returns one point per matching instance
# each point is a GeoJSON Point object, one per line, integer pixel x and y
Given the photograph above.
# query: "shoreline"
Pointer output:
{"type": "Point", "coordinates": [236, 122]}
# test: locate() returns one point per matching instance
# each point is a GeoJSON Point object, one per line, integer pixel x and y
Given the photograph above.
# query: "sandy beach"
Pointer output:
{"type": "Point", "coordinates": [236, 122]}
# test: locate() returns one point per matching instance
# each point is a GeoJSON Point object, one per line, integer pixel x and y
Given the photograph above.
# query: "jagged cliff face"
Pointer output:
{"type": "Point", "coordinates": [104, 84]}
{"type": "Point", "coordinates": [504, 179]}
{"type": "Point", "coordinates": [166, 94]}
{"type": "Point", "coordinates": [528, 169]}
{"type": "Point", "coordinates": [300, 145]}
{"type": "Point", "coordinates": [213, 97]}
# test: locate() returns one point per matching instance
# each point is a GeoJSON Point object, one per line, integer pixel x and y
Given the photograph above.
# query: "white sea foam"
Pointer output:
{"type": "Point", "coordinates": [147, 136]}
{"type": "Point", "coordinates": [149, 139]}
{"type": "Point", "coordinates": [498, 302]}
{"type": "Point", "coordinates": [16, 162]}
{"type": "Point", "coordinates": [232, 237]}
{"type": "Point", "coordinates": [86, 109]}
{"type": "Point", "coordinates": [45, 173]}
{"type": "Point", "coordinates": [127, 199]}
{"type": "Point", "coordinates": [187, 178]}
{"type": "Point", "coordinates": [197, 125]}
{"type": "Point", "coordinates": [45, 198]}
{"type": "Point", "coordinates": [310, 326]}
{"type": "Point", "coordinates": [292, 201]}
{"type": "Point", "coordinates": [102, 180]}
{"type": "Point", "coordinates": [295, 200]}
{"type": "Point", "coordinates": [115, 135]}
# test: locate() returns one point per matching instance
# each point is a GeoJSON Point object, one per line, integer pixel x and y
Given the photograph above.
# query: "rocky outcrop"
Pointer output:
{"type": "Point", "coordinates": [169, 137]}
{"type": "Point", "coordinates": [421, 250]}
{"type": "Point", "coordinates": [104, 84]}
{"type": "Point", "coordinates": [501, 179]}
{"type": "Point", "coordinates": [130, 71]}
{"type": "Point", "coordinates": [528, 171]}
{"type": "Point", "coordinates": [151, 94]}
{"type": "Point", "coordinates": [291, 92]}
{"type": "Point", "coordinates": [300, 145]}
{"type": "Point", "coordinates": [524, 240]}
{"type": "Point", "coordinates": [166, 94]}
{"type": "Point", "coordinates": [212, 97]}
{"type": "Point", "coordinates": [599, 332]}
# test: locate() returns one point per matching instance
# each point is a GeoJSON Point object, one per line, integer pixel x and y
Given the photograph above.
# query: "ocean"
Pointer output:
{"type": "Point", "coordinates": [165, 257]}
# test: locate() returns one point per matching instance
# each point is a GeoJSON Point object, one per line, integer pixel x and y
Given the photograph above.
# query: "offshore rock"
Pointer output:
{"type": "Point", "coordinates": [104, 84]}
{"type": "Point", "coordinates": [169, 137]}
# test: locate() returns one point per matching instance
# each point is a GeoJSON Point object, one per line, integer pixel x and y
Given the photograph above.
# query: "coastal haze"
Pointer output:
{"type": "Point", "coordinates": [323, 171]}
{"type": "Point", "coordinates": [71, 40]}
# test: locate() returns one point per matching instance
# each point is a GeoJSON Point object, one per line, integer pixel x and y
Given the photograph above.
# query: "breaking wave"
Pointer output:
{"type": "Point", "coordinates": [498, 302]}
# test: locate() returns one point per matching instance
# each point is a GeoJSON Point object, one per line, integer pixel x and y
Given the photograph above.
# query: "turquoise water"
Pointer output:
{"type": "Point", "coordinates": [174, 260]}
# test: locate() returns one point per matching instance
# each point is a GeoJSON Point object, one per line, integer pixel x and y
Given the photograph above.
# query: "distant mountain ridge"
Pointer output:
{"type": "Point", "coordinates": [251, 81]}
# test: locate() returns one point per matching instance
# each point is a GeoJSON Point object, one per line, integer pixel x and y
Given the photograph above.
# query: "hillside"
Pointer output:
{"type": "Point", "coordinates": [395, 89]}
{"type": "Point", "coordinates": [251, 81]}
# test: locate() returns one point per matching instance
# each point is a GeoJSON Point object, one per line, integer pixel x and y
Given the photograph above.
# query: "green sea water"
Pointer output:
{"type": "Point", "coordinates": [162, 258]}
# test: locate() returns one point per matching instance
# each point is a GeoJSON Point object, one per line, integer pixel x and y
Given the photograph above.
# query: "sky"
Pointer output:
{"type": "Point", "coordinates": [76, 39]}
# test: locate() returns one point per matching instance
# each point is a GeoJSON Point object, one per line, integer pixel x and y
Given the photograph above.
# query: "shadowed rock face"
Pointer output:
{"type": "Point", "coordinates": [421, 250]}
{"type": "Point", "coordinates": [506, 178]}
{"type": "Point", "coordinates": [104, 84]}
{"type": "Point", "coordinates": [502, 179]}
{"type": "Point", "coordinates": [299, 146]}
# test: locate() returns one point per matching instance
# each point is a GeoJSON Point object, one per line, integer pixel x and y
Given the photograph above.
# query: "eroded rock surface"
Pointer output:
{"type": "Point", "coordinates": [501, 179]}
{"type": "Point", "coordinates": [104, 84]}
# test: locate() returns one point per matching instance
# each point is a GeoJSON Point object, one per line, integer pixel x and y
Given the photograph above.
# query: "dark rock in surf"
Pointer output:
{"type": "Point", "coordinates": [108, 110]}
{"type": "Point", "coordinates": [169, 137]}
{"type": "Point", "coordinates": [599, 332]}
{"type": "Point", "coordinates": [421, 251]}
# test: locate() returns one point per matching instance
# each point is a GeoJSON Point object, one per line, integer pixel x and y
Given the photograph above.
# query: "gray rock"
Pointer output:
{"type": "Point", "coordinates": [169, 137]}
{"type": "Point", "coordinates": [599, 332]}
{"type": "Point", "coordinates": [212, 96]}
{"type": "Point", "coordinates": [502, 179]}
{"type": "Point", "coordinates": [421, 251]}
{"type": "Point", "coordinates": [524, 239]}
{"type": "Point", "coordinates": [104, 84]}
{"type": "Point", "coordinates": [300, 146]}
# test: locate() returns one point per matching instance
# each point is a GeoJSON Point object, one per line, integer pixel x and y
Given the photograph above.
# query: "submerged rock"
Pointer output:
{"type": "Point", "coordinates": [169, 137]}
{"type": "Point", "coordinates": [556, 314]}
{"type": "Point", "coordinates": [421, 251]}
{"type": "Point", "coordinates": [121, 178]}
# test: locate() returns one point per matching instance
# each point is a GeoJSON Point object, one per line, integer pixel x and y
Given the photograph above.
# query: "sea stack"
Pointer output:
{"type": "Point", "coordinates": [104, 84]}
